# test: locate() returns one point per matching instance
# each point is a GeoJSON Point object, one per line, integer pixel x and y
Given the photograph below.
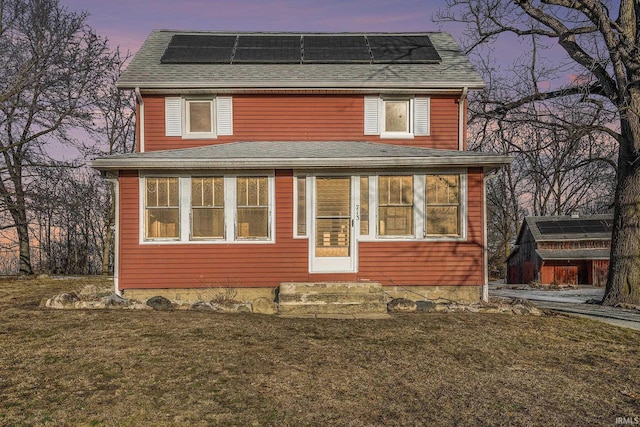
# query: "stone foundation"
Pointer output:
{"type": "Point", "coordinates": [451, 293]}
{"type": "Point", "coordinates": [192, 295]}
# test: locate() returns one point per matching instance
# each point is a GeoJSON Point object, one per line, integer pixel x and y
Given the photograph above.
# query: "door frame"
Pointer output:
{"type": "Point", "coordinates": [333, 264]}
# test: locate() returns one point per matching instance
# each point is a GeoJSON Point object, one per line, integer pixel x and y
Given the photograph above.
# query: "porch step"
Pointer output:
{"type": "Point", "coordinates": [331, 298]}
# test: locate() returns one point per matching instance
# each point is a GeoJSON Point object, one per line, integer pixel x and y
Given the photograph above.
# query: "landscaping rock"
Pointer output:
{"type": "Point", "coordinates": [401, 305]}
{"type": "Point", "coordinates": [231, 307]}
{"type": "Point", "coordinates": [89, 292]}
{"type": "Point", "coordinates": [425, 306]}
{"type": "Point", "coordinates": [201, 306]}
{"type": "Point", "coordinates": [64, 300]}
{"type": "Point", "coordinates": [264, 306]}
{"type": "Point", "coordinates": [160, 303]}
{"type": "Point", "coordinates": [115, 301]}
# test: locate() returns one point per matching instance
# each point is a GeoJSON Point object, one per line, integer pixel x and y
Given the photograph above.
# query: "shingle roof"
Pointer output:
{"type": "Point", "coordinates": [299, 154]}
{"type": "Point", "coordinates": [146, 72]}
{"type": "Point", "coordinates": [573, 254]}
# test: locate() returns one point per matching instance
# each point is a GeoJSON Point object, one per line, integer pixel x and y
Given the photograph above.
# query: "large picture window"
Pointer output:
{"type": "Point", "coordinates": [161, 208]}
{"type": "Point", "coordinates": [207, 207]}
{"type": "Point", "coordinates": [253, 208]}
{"type": "Point", "coordinates": [395, 205]}
{"type": "Point", "coordinates": [443, 205]}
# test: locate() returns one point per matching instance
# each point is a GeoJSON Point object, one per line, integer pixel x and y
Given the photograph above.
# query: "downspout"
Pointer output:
{"type": "Point", "coordinates": [485, 286]}
{"type": "Point", "coordinates": [140, 121]}
{"type": "Point", "coordinates": [116, 235]}
{"type": "Point", "coordinates": [461, 121]}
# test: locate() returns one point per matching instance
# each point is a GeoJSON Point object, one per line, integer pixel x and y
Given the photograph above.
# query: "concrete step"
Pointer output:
{"type": "Point", "coordinates": [331, 298]}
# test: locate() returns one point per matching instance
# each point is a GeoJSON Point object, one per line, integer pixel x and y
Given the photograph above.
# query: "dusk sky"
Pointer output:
{"type": "Point", "coordinates": [128, 22]}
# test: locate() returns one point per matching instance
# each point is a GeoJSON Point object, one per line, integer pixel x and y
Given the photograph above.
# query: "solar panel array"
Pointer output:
{"type": "Point", "coordinates": [299, 49]}
{"type": "Point", "coordinates": [584, 226]}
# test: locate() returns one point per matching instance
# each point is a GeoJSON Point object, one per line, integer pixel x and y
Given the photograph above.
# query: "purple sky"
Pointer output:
{"type": "Point", "coordinates": [128, 22]}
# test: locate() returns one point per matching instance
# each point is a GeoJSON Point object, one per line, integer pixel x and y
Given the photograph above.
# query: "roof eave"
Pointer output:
{"type": "Point", "coordinates": [107, 164]}
{"type": "Point", "coordinates": [455, 86]}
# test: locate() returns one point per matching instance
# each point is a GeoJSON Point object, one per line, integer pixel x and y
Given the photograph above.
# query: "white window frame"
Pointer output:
{"type": "Point", "coordinates": [230, 209]}
{"type": "Point", "coordinates": [187, 133]}
{"type": "Point", "coordinates": [383, 118]}
{"type": "Point", "coordinates": [419, 212]}
{"type": "Point", "coordinates": [307, 200]}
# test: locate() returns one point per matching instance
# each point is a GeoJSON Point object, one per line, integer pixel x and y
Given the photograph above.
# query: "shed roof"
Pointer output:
{"type": "Point", "coordinates": [572, 254]}
{"type": "Point", "coordinates": [146, 71]}
{"type": "Point", "coordinates": [300, 154]}
{"type": "Point", "coordinates": [567, 228]}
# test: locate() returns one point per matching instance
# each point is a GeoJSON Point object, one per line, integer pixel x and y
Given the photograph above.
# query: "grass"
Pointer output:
{"type": "Point", "coordinates": [107, 367]}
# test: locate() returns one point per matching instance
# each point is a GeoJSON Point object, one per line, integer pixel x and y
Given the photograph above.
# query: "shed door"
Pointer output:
{"type": "Point", "coordinates": [332, 248]}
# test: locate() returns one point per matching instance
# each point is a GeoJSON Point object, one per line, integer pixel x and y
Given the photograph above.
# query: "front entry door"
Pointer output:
{"type": "Point", "coordinates": [331, 247]}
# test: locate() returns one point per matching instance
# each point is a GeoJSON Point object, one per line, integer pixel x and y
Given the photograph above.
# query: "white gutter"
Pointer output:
{"type": "Point", "coordinates": [140, 121]}
{"type": "Point", "coordinates": [461, 121]}
{"type": "Point", "coordinates": [485, 286]}
{"type": "Point", "coordinates": [116, 235]}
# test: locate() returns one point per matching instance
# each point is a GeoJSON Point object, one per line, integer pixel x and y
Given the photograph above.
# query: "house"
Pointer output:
{"type": "Point", "coordinates": [265, 158]}
{"type": "Point", "coordinates": [562, 250]}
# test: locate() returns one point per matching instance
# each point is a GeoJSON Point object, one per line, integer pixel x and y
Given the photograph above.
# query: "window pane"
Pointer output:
{"type": "Point", "coordinates": [208, 222]}
{"type": "Point", "coordinates": [333, 197]}
{"type": "Point", "coordinates": [200, 116]}
{"type": "Point", "coordinates": [161, 192]}
{"type": "Point", "coordinates": [332, 237]}
{"type": "Point", "coordinates": [364, 205]}
{"type": "Point", "coordinates": [207, 192]}
{"type": "Point", "coordinates": [396, 221]}
{"type": "Point", "coordinates": [253, 223]}
{"type": "Point", "coordinates": [301, 183]}
{"type": "Point", "coordinates": [443, 220]}
{"type": "Point", "coordinates": [162, 222]}
{"type": "Point", "coordinates": [396, 116]}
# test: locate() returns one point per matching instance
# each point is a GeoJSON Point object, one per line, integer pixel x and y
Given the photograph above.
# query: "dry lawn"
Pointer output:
{"type": "Point", "coordinates": [189, 368]}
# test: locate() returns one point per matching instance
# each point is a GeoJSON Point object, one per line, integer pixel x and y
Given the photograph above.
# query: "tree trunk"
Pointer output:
{"type": "Point", "coordinates": [623, 282]}
{"type": "Point", "coordinates": [22, 229]}
{"type": "Point", "coordinates": [109, 237]}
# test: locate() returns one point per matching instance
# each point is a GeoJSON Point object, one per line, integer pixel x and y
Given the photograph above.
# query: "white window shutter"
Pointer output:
{"type": "Point", "coordinates": [173, 116]}
{"type": "Point", "coordinates": [421, 117]}
{"type": "Point", "coordinates": [371, 116]}
{"type": "Point", "coordinates": [224, 115]}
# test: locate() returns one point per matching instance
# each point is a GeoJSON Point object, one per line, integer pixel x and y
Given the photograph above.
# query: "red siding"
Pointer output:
{"type": "Point", "coordinates": [302, 118]}
{"type": "Point", "coordinates": [211, 265]}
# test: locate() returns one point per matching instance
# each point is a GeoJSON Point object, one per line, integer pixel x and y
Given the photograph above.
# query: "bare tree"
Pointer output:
{"type": "Point", "coordinates": [601, 47]}
{"type": "Point", "coordinates": [51, 67]}
{"type": "Point", "coordinates": [115, 132]}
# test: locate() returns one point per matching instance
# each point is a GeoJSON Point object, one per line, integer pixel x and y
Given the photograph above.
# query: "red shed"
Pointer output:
{"type": "Point", "coordinates": [562, 250]}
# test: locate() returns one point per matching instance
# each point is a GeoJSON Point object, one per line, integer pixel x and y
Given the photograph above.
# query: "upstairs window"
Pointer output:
{"type": "Point", "coordinates": [198, 117]}
{"type": "Point", "coordinates": [397, 117]}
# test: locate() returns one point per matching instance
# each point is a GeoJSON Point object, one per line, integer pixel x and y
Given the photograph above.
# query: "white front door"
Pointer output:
{"type": "Point", "coordinates": [332, 238]}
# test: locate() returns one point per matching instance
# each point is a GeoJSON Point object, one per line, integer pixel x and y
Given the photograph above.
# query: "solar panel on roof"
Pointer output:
{"type": "Point", "coordinates": [274, 49]}
{"type": "Point", "coordinates": [402, 49]}
{"type": "Point", "coordinates": [199, 49]}
{"type": "Point", "coordinates": [336, 49]}
{"type": "Point", "coordinates": [268, 49]}
{"type": "Point", "coordinates": [585, 226]}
